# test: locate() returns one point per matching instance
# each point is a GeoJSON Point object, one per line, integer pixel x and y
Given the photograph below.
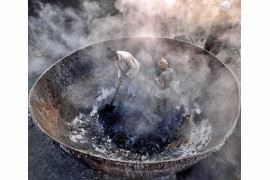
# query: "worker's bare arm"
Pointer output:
{"type": "Point", "coordinates": [160, 84]}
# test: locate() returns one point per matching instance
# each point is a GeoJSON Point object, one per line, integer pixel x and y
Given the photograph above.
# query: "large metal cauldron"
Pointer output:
{"type": "Point", "coordinates": [71, 87]}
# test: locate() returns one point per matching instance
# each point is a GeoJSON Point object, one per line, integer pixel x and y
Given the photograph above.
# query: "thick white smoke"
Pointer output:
{"type": "Point", "coordinates": [58, 31]}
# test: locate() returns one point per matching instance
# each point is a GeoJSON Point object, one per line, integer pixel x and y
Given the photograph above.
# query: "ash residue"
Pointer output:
{"type": "Point", "coordinates": [127, 135]}
{"type": "Point", "coordinates": [132, 131]}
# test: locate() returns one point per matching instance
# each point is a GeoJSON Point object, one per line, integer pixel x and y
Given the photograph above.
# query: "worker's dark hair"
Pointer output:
{"type": "Point", "coordinates": [111, 53]}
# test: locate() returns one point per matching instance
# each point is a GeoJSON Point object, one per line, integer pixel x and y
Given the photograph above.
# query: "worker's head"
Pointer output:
{"type": "Point", "coordinates": [225, 6]}
{"type": "Point", "coordinates": [112, 54]}
{"type": "Point", "coordinates": [162, 64]}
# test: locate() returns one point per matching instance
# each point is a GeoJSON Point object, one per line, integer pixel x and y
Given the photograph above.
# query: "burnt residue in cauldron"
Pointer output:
{"type": "Point", "coordinates": [154, 140]}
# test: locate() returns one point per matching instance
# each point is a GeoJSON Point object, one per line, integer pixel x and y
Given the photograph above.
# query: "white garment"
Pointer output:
{"type": "Point", "coordinates": [225, 5]}
{"type": "Point", "coordinates": [127, 64]}
{"type": "Point", "coordinates": [162, 94]}
{"type": "Point", "coordinates": [131, 85]}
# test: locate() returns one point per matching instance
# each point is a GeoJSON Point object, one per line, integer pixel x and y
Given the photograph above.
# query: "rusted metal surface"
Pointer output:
{"type": "Point", "coordinates": [57, 96]}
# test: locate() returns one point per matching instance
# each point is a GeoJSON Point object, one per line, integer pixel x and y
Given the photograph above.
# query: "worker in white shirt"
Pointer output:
{"type": "Point", "coordinates": [127, 67]}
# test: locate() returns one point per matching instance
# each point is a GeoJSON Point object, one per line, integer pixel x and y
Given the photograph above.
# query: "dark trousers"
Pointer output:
{"type": "Point", "coordinates": [160, 102]}
{"type": "Point", "coordinates": [211, 46]}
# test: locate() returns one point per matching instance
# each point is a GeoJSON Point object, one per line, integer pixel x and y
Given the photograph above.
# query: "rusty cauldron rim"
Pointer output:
{"type": "Point", "coordinates": [205, 152]}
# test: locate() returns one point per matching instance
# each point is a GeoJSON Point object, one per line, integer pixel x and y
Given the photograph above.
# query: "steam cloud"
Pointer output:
{"type": "Point", "coordinates": [56, 31]}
